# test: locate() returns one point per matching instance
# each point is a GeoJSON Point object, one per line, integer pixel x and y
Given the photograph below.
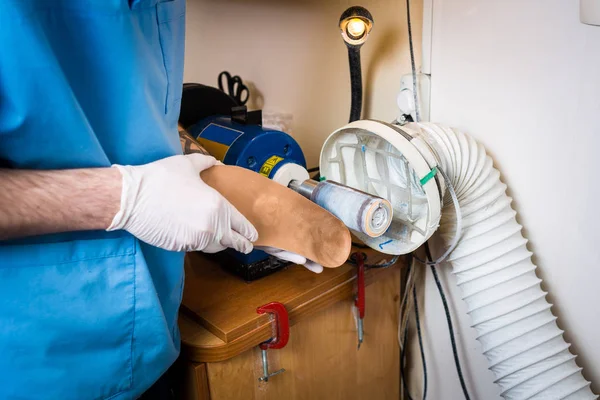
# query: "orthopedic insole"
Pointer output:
{"type": "Point", "coordinates": [283, 218]}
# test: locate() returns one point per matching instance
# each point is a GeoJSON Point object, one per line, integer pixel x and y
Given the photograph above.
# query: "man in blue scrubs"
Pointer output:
{"type": "Point", "coordinates": [97, 203]}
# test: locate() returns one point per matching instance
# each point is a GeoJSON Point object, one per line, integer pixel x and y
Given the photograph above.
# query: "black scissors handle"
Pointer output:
{"type": "Point", "coordinates": [239, 91]}
{"type": "Point", "coordinates": [234, 86]}
{"type": "Point", "coordinates": [224, 83]}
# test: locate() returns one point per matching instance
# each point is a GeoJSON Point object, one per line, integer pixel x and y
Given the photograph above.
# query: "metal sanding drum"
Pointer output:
{"type": "Point", "coordinates": [360, 211]}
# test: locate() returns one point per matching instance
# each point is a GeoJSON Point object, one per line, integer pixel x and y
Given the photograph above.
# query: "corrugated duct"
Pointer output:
{"type": "Point", "coordinates": [493, 267]}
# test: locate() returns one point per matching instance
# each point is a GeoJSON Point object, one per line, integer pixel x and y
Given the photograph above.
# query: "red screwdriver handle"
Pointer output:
{"type": "Point", "coordinates": [360, 281]}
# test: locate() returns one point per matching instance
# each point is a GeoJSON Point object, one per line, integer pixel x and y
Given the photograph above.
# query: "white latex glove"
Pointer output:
{"type": "Point", "coordinates": [166, 204]}
{"type": "Point", "coordinates": [292, 257]}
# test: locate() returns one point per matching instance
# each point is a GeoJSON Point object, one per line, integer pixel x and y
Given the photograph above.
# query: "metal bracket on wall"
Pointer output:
{"type": "Point", "coordinates": [406, 102]}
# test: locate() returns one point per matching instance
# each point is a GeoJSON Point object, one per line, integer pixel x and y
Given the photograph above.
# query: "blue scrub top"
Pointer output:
{"type": "Point", "coordinates": [88, 315]}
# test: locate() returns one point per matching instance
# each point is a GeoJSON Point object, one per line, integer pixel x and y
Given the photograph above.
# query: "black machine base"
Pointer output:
{"type": "Point", "coordinates": [252, 271]}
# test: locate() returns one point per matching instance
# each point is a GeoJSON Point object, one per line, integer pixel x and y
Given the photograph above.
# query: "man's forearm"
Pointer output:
{"type": "Point", "coordinates": [190, 145]}
{"type": "Point", "coordinates": [34, 202]}
{"type": "Point", "coordinates": [39, 202]}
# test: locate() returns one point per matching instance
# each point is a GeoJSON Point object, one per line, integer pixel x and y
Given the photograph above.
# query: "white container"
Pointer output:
{"type": "Point", "coordinates": [589, 12]}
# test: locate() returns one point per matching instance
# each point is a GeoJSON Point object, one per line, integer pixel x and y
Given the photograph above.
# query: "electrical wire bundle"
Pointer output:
{"type": "Point", "coordinates": [410, 303]}
{"type": "Point", "coordinates": [410, 299]}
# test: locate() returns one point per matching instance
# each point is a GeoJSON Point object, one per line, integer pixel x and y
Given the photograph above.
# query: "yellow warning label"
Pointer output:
{"type": "Point", "coordinates": [268, 166]}
{"type": "Point", "coordinates": [217, 150]}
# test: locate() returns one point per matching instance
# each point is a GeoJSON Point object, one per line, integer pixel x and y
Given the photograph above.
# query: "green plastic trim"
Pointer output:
{"type": "Point", "coordinates": [428, 177]}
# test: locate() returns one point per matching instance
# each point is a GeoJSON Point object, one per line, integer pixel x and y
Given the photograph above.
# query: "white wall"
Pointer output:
{"type": "Point", "coordinates": [293, 54]}
{"type": "Point", "coordinates": [523, 77]}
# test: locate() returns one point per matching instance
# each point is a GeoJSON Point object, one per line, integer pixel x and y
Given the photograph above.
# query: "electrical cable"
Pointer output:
{"type": "Point", "coordinates": [412, 62]}
{"type": "Point", "coordinates": [402, 360]}
{"type": "Point", "coordinates": [384, 264]}
{"type": "Point", "coordinates": [379, 265]}
{"type": "Point", "coordinates": [459, 222]}
{"type": "Point", "coordinates": [421, 349]}
{"type": "Point", "coordinates": [403, 338]}
{"type": "Point", "coordinates": [429, 260]}
{"type": "Point", "coordinates": [449, 321]}
{"type": "Point", "coordinates": [403, 317]}
{"type": "Point", "coordinates": [401, 284]}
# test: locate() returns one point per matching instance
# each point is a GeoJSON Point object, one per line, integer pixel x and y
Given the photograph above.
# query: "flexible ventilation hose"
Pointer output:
{"type": "Point", "coordinates": [515, 325]}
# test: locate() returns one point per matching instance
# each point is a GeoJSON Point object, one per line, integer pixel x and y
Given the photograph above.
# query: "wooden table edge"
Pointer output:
{"type": "Point", "coordinates": [226, 350]}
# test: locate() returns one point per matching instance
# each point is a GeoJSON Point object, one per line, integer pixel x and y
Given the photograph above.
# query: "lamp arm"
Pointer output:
{"type": "Point", "coordinates": [355, 82]}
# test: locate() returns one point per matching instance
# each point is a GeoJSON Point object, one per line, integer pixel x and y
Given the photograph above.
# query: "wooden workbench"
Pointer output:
{"type": "Point", "coordinates": [220, 333]}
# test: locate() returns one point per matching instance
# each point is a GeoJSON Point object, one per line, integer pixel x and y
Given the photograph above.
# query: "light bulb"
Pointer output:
{"type": "Point", "coordinates": [355, 25]}
{"type": "Point", "coordinates": [356, 28]}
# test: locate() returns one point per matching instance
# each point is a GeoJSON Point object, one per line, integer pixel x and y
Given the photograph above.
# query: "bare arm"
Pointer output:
{"type": "Point", "coordinates": [39, 202]}
{"type": "Point", "coordinates": [34, 202]}
{"type": "Point", "coordinates": [189, 144]}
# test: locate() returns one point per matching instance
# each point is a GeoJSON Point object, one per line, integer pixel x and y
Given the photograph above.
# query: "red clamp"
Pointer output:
{"type": "Point", "coordinates": [282, 325]}
{"type": "Point", "coordinates": [360, 281]}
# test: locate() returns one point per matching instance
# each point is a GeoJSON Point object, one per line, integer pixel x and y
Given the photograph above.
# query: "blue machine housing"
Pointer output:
{"type": "Point", "coordinates": [247, 146]}
{"type": "Point", "coordinates": [251, 147]}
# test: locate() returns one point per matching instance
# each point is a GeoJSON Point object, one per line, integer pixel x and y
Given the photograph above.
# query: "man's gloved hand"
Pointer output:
{"type": "Point", "coordinates": [166, 204]}
{"type": "Point", "coordinates": [292, 257]}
